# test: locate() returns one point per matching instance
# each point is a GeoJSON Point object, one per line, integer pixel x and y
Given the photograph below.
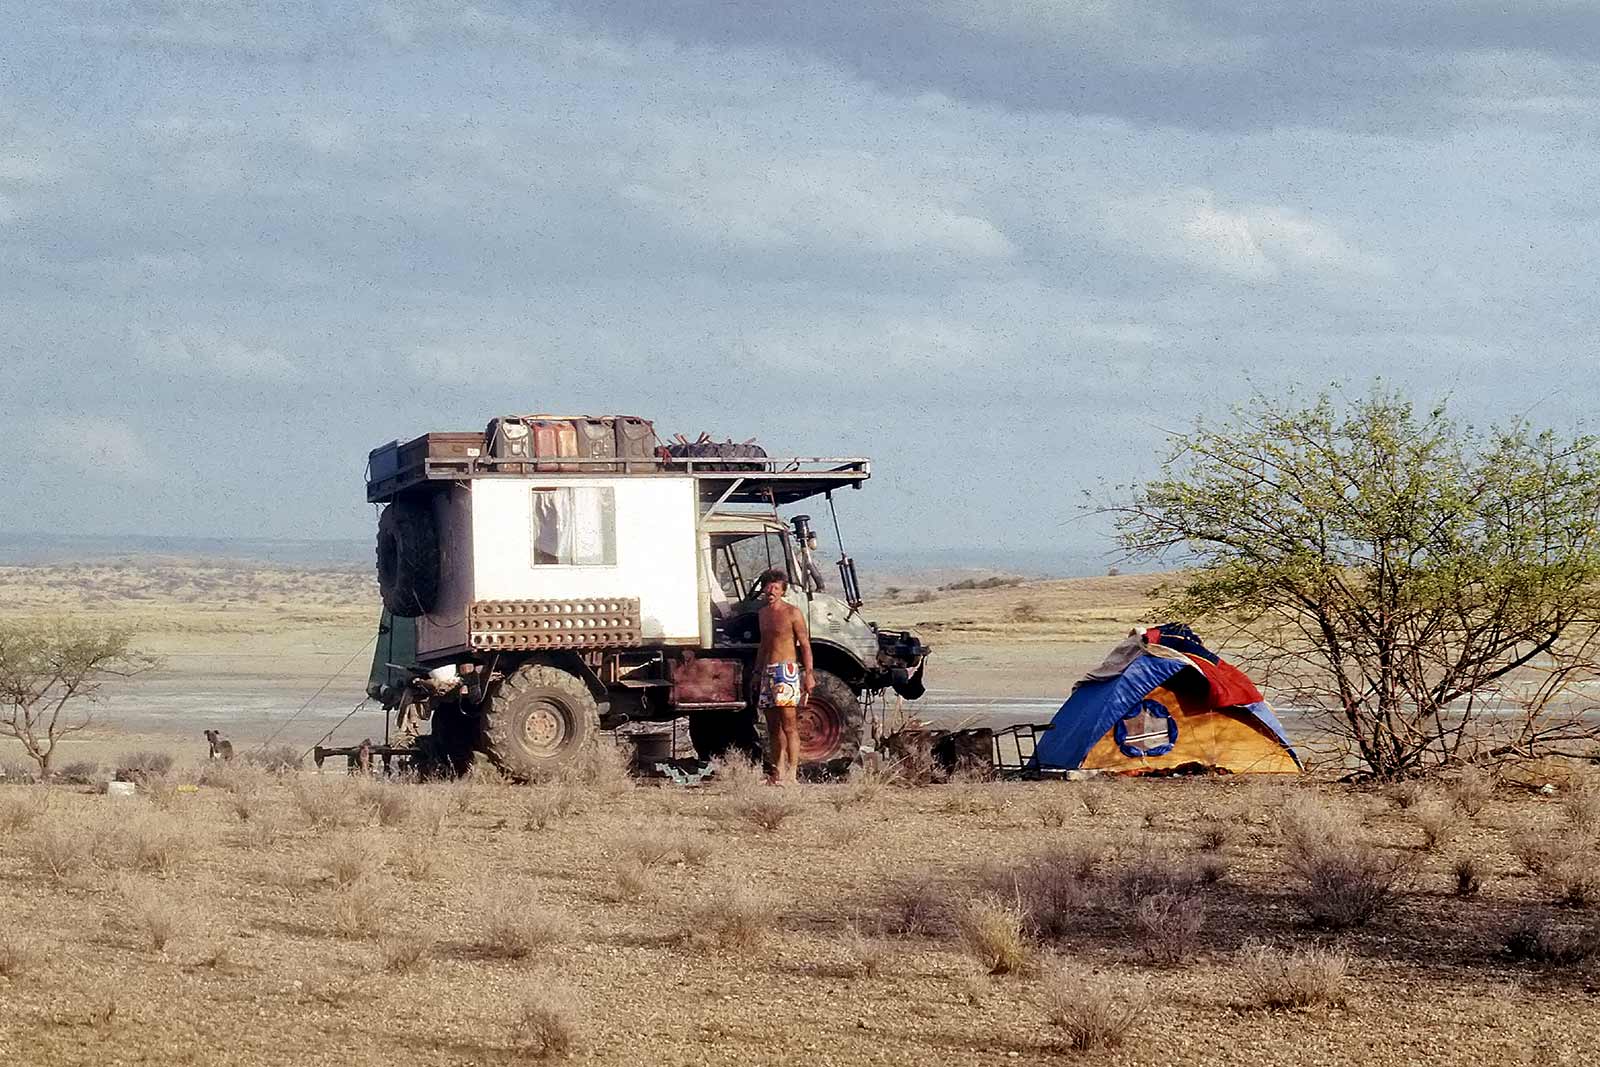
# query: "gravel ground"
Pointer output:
{"type": "Point", "coordinates": [259, 972]}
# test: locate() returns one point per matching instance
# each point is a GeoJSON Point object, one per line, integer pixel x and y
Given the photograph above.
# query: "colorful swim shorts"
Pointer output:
{"type": "Point", "coordinates": [780, 686]}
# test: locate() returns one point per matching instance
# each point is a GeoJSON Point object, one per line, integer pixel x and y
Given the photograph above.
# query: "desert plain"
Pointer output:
{"type": "Point", "coordinates": [250, 915]}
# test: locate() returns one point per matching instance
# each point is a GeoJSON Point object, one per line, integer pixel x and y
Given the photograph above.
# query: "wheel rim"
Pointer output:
{"type": "Point", "coordinates": [545, 728]}
{"type": "Point", "coordinates": [821, 728]}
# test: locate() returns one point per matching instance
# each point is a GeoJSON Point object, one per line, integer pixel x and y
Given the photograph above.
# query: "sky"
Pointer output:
{"type": "Point", "coordinates": [1000, 246]}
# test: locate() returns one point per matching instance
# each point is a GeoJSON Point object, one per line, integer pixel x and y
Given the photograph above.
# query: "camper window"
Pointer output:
{"type": "Point", "coordinates": [574, 527]}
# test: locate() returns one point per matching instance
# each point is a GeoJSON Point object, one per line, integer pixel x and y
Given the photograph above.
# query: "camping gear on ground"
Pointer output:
{"type": "Point", "coordinates": [1162, 702]}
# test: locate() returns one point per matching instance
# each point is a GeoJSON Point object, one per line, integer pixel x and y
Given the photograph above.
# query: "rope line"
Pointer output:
{"type": "Point", "coordinates": [320, 690]}
{"type": "Point", "coordinates": [364, 702]}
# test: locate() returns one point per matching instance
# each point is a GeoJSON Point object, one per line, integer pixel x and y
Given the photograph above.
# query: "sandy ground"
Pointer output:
{"type": "Point", "coordinates": [277, 653]}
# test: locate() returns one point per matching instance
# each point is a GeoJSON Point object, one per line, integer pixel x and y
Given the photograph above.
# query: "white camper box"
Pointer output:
{"type": "Point", "coordinates": [553, 537]}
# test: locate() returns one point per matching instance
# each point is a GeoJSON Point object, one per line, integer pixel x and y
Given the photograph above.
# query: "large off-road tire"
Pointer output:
{"type": "Point", "coordinates": [408, 558]}
{"type": "Point", "coordinates": [538, 720]}
{"type": "Point", "coordinates": [830, 724]}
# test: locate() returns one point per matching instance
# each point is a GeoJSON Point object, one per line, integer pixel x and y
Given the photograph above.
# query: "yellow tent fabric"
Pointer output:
{"type": "Point", "coordinates": [1220, 739]}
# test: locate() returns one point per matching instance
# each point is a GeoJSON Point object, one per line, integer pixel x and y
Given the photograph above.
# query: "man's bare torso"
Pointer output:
{"type": "Point", "coordinates": [781, 633]}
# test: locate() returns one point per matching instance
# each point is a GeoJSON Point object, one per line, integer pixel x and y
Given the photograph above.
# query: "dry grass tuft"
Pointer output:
{"type": "Point", "coordinates": [735, 922]}
{"type": "Point", "coordinates": [1440, 821]}
{"type": "Point", "coordinates": [418, 859]}
{"type": "Point", "coordinates": [429, 811]}
{"type": "Point", "coordinates": [1541, 845]}
{"type": "Point", "coordinates": [1214, 833]}
{"type": "Point", "coordinates": [1582, 803]}
{"type": "Point", "coordinates": [603, 770]}
{"type": "Point", "coordinates": [737, 774]}
{"type": "Point", "coordinates": [1472, 789]}
{"type": "Point", "coordinates": [62, 851]}
{"type": "Point", "coordinates": [1573, 879]}
{"type": "Point", "coordinates": [546, 1026]}
{"type": "Point", "coordinates": [867, 955]}
{"type": "Point", "coordinates": [849, 829]}
{"type": "Point", "coordinates": [1092, 1011]}
{"type": "Point", "coordinates": [632, 883]}
{"type": "Point", "coordinates": [1055, 888]}
{"type": "Point", "coordinates": [1344, 882]}
{"type": "Point", "coordinates": [155, 913]}
{"type": "Point", "coordinates": [20, 808]}
{"type": "Point", "coordinates": [358, 907]}
{"type": "Point", "coordinates": [17, 957]}
{"type": "Point", "coordinates": [328, 805]}
{"type": "Point", "coordinates": [1310, 977]}
{"type": "Point", "coordinates": [917, 905]}
{"type": "Point", "coordinates": [348, 858]}
{"type": "Point", "coordinates": [1536, 938]}
{"type": "Point", "coordinates": [992, 934]}
{"type": "Point", "coordinates": [516, 926]}
{"type": "Point", "coordinates": [1095, 797]}
{"type": "Point", "coordinates": [766, 808]}
{"type": "Point", "coordinates": [1053, 812]}
{"type": "Point", "coordinates": [543, 805]}
{"type": "Point", "coordinates": [1407, 795]}
{"type": "Point", "coordinates": [391, 803]}
{"type": "Point", "coordinates": [403, 951]}
{"type": "Point", "coordinates": [1167, 925]}
{"type": "Point", "coordinates": [649, 848]}
{"type": "Point", "coordinates": [1467, 876]}
{"type": "Point", "coordinates": [155, 844]}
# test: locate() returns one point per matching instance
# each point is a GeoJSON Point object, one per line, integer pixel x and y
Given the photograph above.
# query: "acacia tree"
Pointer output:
{"type": "Point", "coordinates": [49, 672]}
{"type": "Point", "coordinates": [1429, 592]}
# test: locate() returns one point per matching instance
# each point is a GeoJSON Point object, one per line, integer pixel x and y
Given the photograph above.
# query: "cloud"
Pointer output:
{"type": "Point", "coordinates": [1247, 242]}
{"type": "Point", "coordinates": [211, 353]}
{"type": "Point", "coordinates": [99, 448]}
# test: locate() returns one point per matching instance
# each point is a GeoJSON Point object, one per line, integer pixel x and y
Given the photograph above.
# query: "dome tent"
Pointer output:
{"type": "Point", "coordinates": [1161, 701]}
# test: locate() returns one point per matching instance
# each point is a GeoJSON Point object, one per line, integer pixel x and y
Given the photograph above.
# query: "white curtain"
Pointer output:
{"type": "Point", "coordinates": [574, 527]}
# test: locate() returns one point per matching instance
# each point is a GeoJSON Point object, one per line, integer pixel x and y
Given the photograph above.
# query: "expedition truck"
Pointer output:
{"type": "Point", "coordinates": [552, 577]}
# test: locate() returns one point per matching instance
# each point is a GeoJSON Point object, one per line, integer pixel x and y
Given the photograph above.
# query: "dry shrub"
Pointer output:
{"type": "Point", "coordinates": [992, 934]}
{"type": "Point", "coordinates": [867, 955]}
{"type": "Point", "coordinates": [358, 906]}
{"type": "Point", "coordinates": [1582, 803]}
{"type": "Point", "coordinates": [1472, 789]}
{"type": "Point", "coordinates": [1053, 888]}
{"type": "Point", "coordinates": [1053, 812]}
{"type": "Point", "coordinates": [418, 859]}
{"type": "Point", "coordinates": [79, 772]}
{"type": "Point", "coordinates": [1093, 1011]}
{"type": "Point", "coordinates": [515, 927]}
{"type": "Point", "coordinates": [62, 851]}
{"type": "Point", "coordinates": [545, 1026]}
{"type": "Point", "coordinates": [909, 759]}
{"type": "Point", "coordinates": [1309, 977]}
{"type": "Point", "coordinates": [1537, 938]}
{"type": "Point", "coordinates": [1167, 925]}
{"type": "Point", "coordinates": [162, 789]}
{"type": "Point", "coordinates": [1541, 845]}
{"type": "Point", "coordinates": [390, 803]}
{"type": "Point", "coordinates": [650, 848]}
{"type": "Point", "coordinates": [1345, 883]}
{"type": "Point", "coordinates": [1407, 795]}
{"type": "Point", "coordinates": [846, 830]}
{"type": "Point", "coordinates": [402, 951]}
{"type": "Point", "coordinates": [20, 808]}
{"type": "Point", "coordinates": [262, 831]}
{"type": "Point", "coordinates": [1467, 876]}
{"type": "Point", "coordinates": [277, 759]}
{"type": "Point", "coordinates": [767, 809]}
{"type": "Point", "coordinates": [1439, 820]}
{"type": "Point", "coordinates": [348, 858]}
{"type": "Point", "coordinates": [603, 770]}
{"type": "Point", "coordinates": [136, 766]}
{"type": "Point", "coordinates": [1214, 833]}
{"type": "Point", "coordinates": [1149, 872]}
{"type": "Point", "coordinates": [429, 812]}
{"type": "Point", "coordinates": [919, 904]}
{"type": "Point", "coordinates": [545, 804]}
{"type": "Point", "coordinates": [1210, 870]}
{"type": "Point", "coordinates": [244, 803]}
{"type": "Point", "coordinates": [1306, 824]}
{"type": "Point", "coordinates": [975, 989]}
{"type": "Point", "coordinates": [695, 851]}
{"type": "Point", "coordinates": [327, 805]}
{"type": "Point", "coordinates": [861, 788]}
{"type": "Point", "coordinates": [154, 844]}
{"type": "Point", "coordinates": [632, 883]}
{"type": "Point", "coordinates": [156, 913]}
{"type": "Point", "coordinates": [735, 922]}
{"type": "Point", "coordinates": [17, 956]}
{"type": "Point", "coordinates": [1095, 797]}
{"type": "Point", "coordinates": [1573, 879]}
{"type": "Point", "coordinates": [737, 773]}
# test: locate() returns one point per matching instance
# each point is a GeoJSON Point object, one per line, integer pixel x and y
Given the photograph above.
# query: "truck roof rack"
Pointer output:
{"type": "Point", "coordinates": [775, 480]}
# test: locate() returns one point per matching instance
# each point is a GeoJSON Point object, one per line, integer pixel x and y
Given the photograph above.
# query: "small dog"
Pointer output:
{"type": "Point", "coordinates": [221, 747]}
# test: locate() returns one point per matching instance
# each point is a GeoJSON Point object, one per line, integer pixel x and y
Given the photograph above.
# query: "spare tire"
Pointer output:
{"type": "Point", "coordinates": [408, 558]}
{"type": "Point", "coordinates": [729, 450]}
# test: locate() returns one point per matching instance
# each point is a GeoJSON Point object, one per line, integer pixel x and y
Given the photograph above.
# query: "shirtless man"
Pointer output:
{"type": "Point", "coordinates": [785, 684]}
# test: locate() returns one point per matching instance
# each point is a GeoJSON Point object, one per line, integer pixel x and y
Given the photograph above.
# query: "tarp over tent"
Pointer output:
{"type": "Point", "coordinates": [1160, 701]}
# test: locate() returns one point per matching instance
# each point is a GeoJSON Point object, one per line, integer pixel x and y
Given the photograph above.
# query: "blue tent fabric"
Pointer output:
{"type": "Point", "coordinates": [1095, 707]}
{"type": "Point", "coordinates": [1265, 716]}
